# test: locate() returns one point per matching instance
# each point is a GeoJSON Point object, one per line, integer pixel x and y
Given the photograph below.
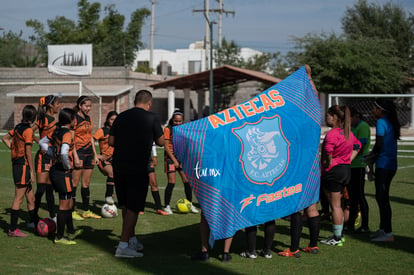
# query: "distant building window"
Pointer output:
{"type": "Point", "coordinates": [194, 67]}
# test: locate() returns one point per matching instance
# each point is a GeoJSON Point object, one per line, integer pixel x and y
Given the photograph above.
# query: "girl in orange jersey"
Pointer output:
{"type": "Point", "coordinates": [84, 156]}
{"type": "Point", "coordinates": [59, 146]}
{"type": "Point", "coordinates": [105, 162]}
{"type": "Point", "coordinates": [172, 165]}
{"type": "Point", "coordinates": [20, 141]}
{"type": "Point", "coordinates": [46, 124]}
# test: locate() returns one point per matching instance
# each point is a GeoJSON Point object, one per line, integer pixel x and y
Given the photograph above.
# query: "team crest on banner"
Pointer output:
{"type": "Point", "coordinates": [265, 150]}
{"type": "Point", "coordinates": [256, 161]}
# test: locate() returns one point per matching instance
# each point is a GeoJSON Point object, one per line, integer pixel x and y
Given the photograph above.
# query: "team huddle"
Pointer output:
{"type": "Point", "coordinates": [67, 156]}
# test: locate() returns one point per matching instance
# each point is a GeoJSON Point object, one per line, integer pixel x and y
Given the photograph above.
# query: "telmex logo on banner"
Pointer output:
{"type": "Point", "coordinates": [70, 59]}
{"type": "Point", "coordinates": [256, 161]}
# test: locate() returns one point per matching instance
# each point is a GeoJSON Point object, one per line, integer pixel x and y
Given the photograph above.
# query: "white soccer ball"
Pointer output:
{"type": "Point", "coordinates": [109, 211]}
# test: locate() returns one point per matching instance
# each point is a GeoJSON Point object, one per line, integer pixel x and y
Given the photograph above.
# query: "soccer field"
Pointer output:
{"type": "Point", "coordinates": [170, 240]}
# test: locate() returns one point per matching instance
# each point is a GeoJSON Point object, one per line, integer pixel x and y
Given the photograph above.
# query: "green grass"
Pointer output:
{"type": "Point", "coordinates": [169, 241]}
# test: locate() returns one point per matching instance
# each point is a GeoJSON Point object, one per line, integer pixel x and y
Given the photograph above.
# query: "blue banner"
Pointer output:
{"type": "Point", "coordinates": [256, 161]}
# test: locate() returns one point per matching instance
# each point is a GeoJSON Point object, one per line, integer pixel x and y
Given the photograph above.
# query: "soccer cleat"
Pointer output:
{"type": "Point", "coordinates": [136, 245]}
{"type": "Point", "coordinates": [193, 209]}
{"type": "Point", "coordinates": [332, 241]}
{"type": "Point", "coordinates": [109, 200]}
{"type": "Point", "coordinates": [226, 257]}
{"type": "Point", "coordinates": [16, 233]}
{"type": "Point", "coordinates": [127, 252]}
{"type": "Point", "coordinates": [76, 216]}
{"type": "Point", "coordinates": [54, 219]}
{"type": "Point", "coordinates": [201, 256]}
{"type": "Point", "coordinates": [90, 214]}
{"type": "Point", "coordinates": [168, 210]}
{"type": "Point", "coordinates": [386, 237]}
{"type": "Point", "coordinates": [76, 234]}
{"type": "Point", "coordinates": [313, 250]}
{"type": "Point", "coordinates": [377, 233]}
{"type": "Point", "coordinates": [288, 253]}
{"type": "Point", "coordinates": [162, 213]}
{"type": "Point", "coordinates": [141, 212]}
{"type": "Point", "coordinates": [65, 241]}
{"type": "Point", "coordinates": [266, 253]}
{"type": "Point", "coordinates": [250, 255]}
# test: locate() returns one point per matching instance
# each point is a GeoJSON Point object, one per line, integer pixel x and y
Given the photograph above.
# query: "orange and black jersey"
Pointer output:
{"type": "Point", "coordinates": [168, 136]}
{"type": "Point", "coordinates": [47, 126]}
{"type": "Point", "coordinates": [59, 137]}
{"type": "Point", "coordinates": [83, 132]}
{"type": "Point", "coordinates": [102, 136]}
{"type": "Point", "coordinates": [22, 135]}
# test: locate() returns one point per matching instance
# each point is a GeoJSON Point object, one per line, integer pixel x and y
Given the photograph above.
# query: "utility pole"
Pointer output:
{"type": "Point", "coordinates": [151, 59]}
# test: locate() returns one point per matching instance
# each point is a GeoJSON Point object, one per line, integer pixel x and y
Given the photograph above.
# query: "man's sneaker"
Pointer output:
{"type": "Point", "coordinates": [377, 233]}
{"type": "Point", "coordinates": [332, 241]}
{"type": "Point", "coordinates": [193, 209]}
{"type": "Point", "coordinates": [90, 214]}
{"type": "Point", "coordinates": [362, 230]}
{"type": "Point", "coordinates": [288, 253]}
{"type": "Point", "coordinates": [109, 200]}
{"type": "Point", "coordinates": [201, 256]}
{"type": "Point", "coordinates": [225, 257]}
{"type": "Point", "coordinates": [127, 252]}
{"type": "Point", "coordinates": [16, 233]}
{"type": "Point", "coordinates": [266, 253]}
{"type": "Point", "coordinates": [162, 213]}
{"type": "Point", "coordinates": [30, 225]}
{"type": "Point", "coordinates": [387, 237]}
{"type": "Point", "coordinates": [76, 216]}
{"type": "Point", "coordinates": [343, 239]}
{"type": "Point", "coordinates": [250, 255]}
{"type": "Point", "coordinates": [313, 250]}
{"type": "Point", "coordinates": [136, 245]}
{"type": "Point", "coordinates": [76, 234]}
{"type": "Point", "coordinates": [65, 241]}
{"type": "Point", "coordinates": [168, 210]}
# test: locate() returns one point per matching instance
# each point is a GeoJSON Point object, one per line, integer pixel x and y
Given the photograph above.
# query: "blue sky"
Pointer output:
{"type": "Point", "coordinates": [265, 25]}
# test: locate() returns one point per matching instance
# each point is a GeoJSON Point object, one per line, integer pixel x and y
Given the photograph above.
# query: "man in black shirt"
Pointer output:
{"type": "Point", "coordinates": [132, 135]}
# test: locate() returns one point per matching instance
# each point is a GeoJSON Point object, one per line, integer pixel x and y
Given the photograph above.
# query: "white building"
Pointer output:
{"type": "Point", "coordinates": [182, 61]}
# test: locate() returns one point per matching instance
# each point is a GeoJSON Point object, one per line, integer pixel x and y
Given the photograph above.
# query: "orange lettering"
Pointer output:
{"type": "Point", "coordinates": [246, 108]}
{"type": "Point", "coordinates": [215, 121]}
{"type": "Point", "coordinates": [298, 188]}
{"type": "Point", "coordinates": [257, 110]}
{"type": "Point", "coordinates": [277, 98]}
{"type": "Point", "coordinates": [227, 117]}
{"type": "Point", "coordinates": [237, 111]}
{"type": "Point", "coordinates": [267, 103]}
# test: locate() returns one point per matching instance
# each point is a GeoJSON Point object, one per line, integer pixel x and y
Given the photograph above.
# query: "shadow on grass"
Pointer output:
{"type": "Point", "coordinates": [395, 199]}
{"type": "Point", "coordinates": [166, 252]}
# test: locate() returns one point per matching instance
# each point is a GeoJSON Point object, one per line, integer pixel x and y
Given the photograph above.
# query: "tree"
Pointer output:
{"type": "Point", "coordinates": [16, 52]}
{"type": "Point", "coordinates": [364, 65]}
{"type": "Point", "coordinates": [388, 22]}
{"type": "Point", "coordinates": [112, 45]}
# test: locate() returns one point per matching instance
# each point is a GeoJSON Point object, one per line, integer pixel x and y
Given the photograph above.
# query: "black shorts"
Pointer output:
{"type": "Point", "coordinates": [86, 160]}
{"type": "Point", "coordinates": [337, 178]}
{"type": "Point", "coordinates": [103, 163]}
{"type": "Point", "coordinates": [61, 180]}
{"type": "Point", "coordinates": [21, 174]}
{"type": "Point", "coordinates": [42, 162]}
{"type": "Point", "coordinates": [131, 188]}
{"type": "Point", "coordinates": [169, 166]}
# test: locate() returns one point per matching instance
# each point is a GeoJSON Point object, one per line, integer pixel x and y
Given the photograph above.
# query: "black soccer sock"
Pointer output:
{"type": "Point", "coordinates": [69, 221]}
{"type": "Point", "coordinates": [85, 193]}
{"type": "Point", "coordinates": [188, 192]}
{"type": "Point", "coordinates": [14, 216]}
{"type": "Point", "coordinates": [168, 193]}
{"type": "Point", "coordinates": [295, 230]}
{"type": "Point", "coordinates": [157, 199]}
{"type": "Point", "coordinates": [251, 233]}
{"type": "Point", "coordinates": [33, 217]}
{"type": "Point", "coordinates": [109, 187]}
{"type": "Point", "coordinates": [41, 189]}
{"type": "Point", "coordinates": [61, 222]}
{"type": "Point", "coordinates": [50, 199]}
{"type": "Point", "coordinates": [314, 224]}
{"type": "Point", "coordinates": [270, 229]}
{"type": "Point", "coordinates": [74, 198]}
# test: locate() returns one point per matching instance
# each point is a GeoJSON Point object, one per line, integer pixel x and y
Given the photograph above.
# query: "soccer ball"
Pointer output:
{"type": "Point", "coordinates": [109, 211]}
{"type": "Point", "coordinates": [46, 227]}
{"type": "Point", "coordinates": [183, 206]}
